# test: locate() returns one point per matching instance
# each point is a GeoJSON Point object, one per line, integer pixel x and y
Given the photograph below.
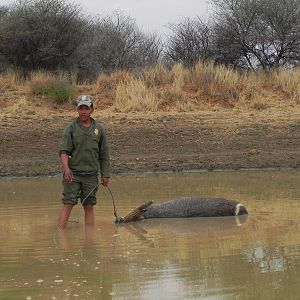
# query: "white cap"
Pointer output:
{"type": "Point", "coordinates": [84, 100]}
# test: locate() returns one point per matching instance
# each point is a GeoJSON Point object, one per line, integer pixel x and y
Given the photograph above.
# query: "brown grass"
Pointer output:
{"type": "Point", "coordinates": [156, 76]}
{"type": "Point", "coordinates": [178, 89]}
{"type": "Point", "coordinates": [288, 82]}
{"type": "Point", "coordinates": [105, 85]}
{"type": "Point", "coordinates": [10, 80]}
{"type": "Point", "coordinates": [134, 95]}
{"type": "Point", "coordinates": [39, 80]}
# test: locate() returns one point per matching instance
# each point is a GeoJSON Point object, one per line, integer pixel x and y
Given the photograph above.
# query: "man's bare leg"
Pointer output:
{"type": "Point", "coordinates": [89, 214]}
{"type": "Point", "coordinates": [64, 215]}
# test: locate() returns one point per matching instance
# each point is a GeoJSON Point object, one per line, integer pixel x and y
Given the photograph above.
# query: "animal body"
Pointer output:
{"type": "Point", "coordinates": [187, 207]}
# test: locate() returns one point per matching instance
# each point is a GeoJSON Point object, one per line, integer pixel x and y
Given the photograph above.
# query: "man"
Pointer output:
{"type": "Point", "coordinates": [83, 153]}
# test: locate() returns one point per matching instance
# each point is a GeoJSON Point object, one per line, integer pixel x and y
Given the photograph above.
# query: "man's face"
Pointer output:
{"type": "Point", "coordinates": [84, 112]}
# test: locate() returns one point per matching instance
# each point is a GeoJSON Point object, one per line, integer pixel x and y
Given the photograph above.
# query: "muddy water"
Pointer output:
{"type": "Point", "coordinates": [215, 258]}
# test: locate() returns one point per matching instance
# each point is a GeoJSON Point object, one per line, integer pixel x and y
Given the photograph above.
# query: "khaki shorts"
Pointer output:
{"type": "Point", "coordinates": [81, 187]}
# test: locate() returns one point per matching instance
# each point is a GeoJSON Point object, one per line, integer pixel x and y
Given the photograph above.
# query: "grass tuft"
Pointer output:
{"type": "Point", "coordinates": [156, 76]}
{"type": "Point", "coordinates": [11, 80]}
{"type": "Point", "coordinates": [135, 96]}
{"type": "Point", "coordinates": [288, 82]}
{"type": "Point", "coordinates": [106, 85]}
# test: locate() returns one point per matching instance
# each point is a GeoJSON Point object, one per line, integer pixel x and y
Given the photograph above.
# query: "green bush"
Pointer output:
{"type": "Point", "coordinates": [59, 90]}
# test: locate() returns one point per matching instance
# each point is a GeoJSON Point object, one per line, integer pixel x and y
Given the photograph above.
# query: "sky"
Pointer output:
{"type": "Point", "coordinates": [150, 15]}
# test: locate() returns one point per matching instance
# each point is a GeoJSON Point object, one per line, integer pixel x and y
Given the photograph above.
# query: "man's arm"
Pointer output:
{"type": "Point", "coordinates": [68, 174]}
{"type": "Point", "coordinates": [104, 159]}
{"type": "Point", "coordinates": [65, 150]}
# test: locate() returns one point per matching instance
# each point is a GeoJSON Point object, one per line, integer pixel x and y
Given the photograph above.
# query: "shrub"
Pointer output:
{"type": "Point", "coordinates": [58, 89]}
{"type": "Point", "coordinates": [60, 92]}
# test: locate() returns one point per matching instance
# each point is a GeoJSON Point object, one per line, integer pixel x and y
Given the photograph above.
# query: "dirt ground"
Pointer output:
{"type": "Point", "coordinates": [208, 139]}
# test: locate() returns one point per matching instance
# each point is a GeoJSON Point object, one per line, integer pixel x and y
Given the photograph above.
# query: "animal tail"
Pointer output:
{"type": "Point", "coordinates": [240, 209]}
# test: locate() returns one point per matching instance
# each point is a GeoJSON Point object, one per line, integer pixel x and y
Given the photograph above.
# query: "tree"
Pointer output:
{"type": "Point", "coordinates": [257, 33]}
{"type": "Point", "coordinates": [116, 43]}
{"type": "Point", "coordinates": [3, 11]}
{"type": "Point", "coordinates": [43, 34]}
{"type": "Point", "coordinates": [190, 41]}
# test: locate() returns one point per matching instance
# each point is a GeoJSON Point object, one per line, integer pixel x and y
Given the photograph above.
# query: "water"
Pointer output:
{"type": "Point", "coordinates": [213, 258]}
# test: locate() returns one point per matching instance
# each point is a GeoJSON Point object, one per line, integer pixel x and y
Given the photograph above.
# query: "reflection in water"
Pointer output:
{"type": "Point", "coordinates": [254, 257]}
{"type": "Point", "coordinates": [204, 227]}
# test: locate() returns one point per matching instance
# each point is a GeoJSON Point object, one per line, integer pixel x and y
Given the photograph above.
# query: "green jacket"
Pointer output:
{"type": "Point", "coordinates": [87, 148]}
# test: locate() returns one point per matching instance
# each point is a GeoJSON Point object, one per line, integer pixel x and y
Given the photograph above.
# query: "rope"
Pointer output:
{"type": "Point", "coordinates": [113, 200]}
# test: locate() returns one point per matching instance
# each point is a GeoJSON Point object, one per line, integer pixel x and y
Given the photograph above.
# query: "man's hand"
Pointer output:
{"type": "Point", "coordinates": [68, 175]}
{"type": "Point", "coordinates": [104, 181]}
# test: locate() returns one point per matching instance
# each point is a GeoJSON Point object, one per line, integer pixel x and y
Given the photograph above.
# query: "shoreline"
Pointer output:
{"type": "Point", "coordinates": [145, 172]}
{"type": "Point", "coordinates": [156, 143]}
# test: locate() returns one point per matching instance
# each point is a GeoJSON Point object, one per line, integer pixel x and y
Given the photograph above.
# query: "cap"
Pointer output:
{"type": "Point", "coordinates": [84, 100]}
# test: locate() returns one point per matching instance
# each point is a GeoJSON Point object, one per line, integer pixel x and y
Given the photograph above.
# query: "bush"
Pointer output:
{"type": "Point", "coordinates": [60, 92]}
{"type": "Point", "coordinates": [58, 89]}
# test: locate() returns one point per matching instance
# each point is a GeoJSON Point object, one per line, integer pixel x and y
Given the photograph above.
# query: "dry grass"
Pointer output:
{"type": "Point", "coordinates": [288, 82]}
{"type": "Point", "coordinates": [11, 80]}
{"type": "Point", "coordinates": [20, 105]}
{"type": "Point", "coordinates": [179, 76]}
{"type": "Point", "coordinates": [178, 89]}
{"type": "Point", "coordinates": [216, 82]}
{"type": "Point", "coordinates": [170, 92]}
{"type": "Point", "coordinates": [39, 80]}
{"type": "Point", "coordinates": [134, 96]}
{"type": "Point", "coordinates": [156, 76]}
{"type": "Point", "coordinates": [105, 85]}
{"type": "Point", "coordinates": [108, 83]}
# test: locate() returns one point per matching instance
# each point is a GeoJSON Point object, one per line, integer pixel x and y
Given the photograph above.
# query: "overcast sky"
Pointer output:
{"type": "Point", "coordinates": [150, 15]}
